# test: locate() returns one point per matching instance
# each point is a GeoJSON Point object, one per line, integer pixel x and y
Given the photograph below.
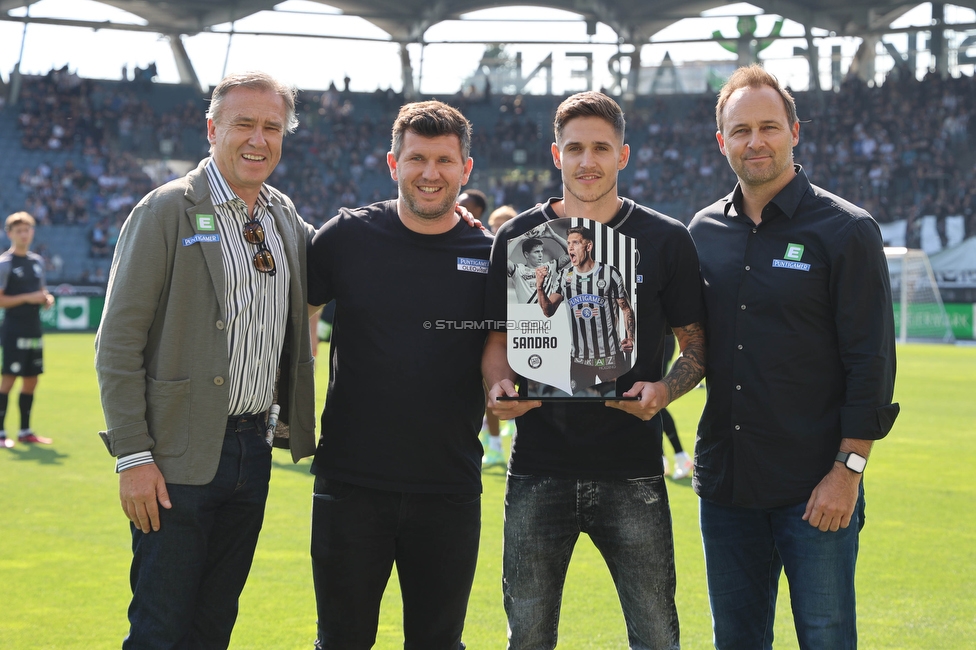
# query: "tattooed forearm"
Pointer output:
{"type": "Point", "coordinates": [689, 368]}
{"type": "Point", "coordinates": [629, 322]}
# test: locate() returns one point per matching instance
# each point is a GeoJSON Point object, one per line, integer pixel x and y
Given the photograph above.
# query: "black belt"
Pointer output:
{"type": "Point", "coordinates": [237, 421]}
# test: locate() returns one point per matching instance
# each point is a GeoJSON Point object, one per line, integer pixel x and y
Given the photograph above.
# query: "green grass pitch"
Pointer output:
{"type": "Point", "coordinates": [64, 542]}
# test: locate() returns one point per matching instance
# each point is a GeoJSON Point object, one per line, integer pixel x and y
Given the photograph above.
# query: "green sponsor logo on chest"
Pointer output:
{"type": "Point", "coordinates": [794, 252]}
{"type": "Point", "coordinates": [205, 222]}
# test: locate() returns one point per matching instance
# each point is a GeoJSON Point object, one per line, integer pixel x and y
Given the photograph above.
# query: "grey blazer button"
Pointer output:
{"type": "Point", "coordinates": [220, 324]}
{"type": "Point", "coordinates": [219, 381]}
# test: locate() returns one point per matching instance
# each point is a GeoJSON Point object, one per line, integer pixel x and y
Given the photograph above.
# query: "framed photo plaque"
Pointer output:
{"type": "Point", "coordinates": [572, 309]}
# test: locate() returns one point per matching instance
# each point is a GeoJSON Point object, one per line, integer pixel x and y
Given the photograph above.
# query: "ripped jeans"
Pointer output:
{"type": "Point", "coordinates": [628, 520]}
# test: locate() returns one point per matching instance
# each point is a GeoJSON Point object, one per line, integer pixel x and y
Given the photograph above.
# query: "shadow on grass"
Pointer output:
{"type": "Point", "coordinates": [40, 454]}
{"type": "Point", "coordinates": [495, 471]}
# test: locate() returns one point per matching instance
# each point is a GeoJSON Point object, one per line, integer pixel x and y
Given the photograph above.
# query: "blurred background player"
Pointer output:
{"type": "Point", "coordinates": [491, 429]}
{"type": "Point", "coordinates": [475, 202]}
{"type": "Point", "coordinates": [22, 294]}
{"type": "Point", "coordinates": [499, 216]}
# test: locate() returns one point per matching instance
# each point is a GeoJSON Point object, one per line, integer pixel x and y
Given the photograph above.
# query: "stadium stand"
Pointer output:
{"type": "Point", "coordinates": [79, 152]}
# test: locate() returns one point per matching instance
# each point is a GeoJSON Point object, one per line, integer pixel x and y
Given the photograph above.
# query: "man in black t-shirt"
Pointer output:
{"type": "Point", "coordinates": [398, 467]}
{"type": "Point", "coordinates": [582, 467]}
{"type": "Point", "coordinates": [22, 294]}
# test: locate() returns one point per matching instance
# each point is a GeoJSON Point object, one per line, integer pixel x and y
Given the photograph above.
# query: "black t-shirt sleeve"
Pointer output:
{"type": "Point", "coordinates": [496, 290]}
{"type": "Point", "coordinates": [681, 296]}
{"type": "Point", "coordinates": [320, 262]}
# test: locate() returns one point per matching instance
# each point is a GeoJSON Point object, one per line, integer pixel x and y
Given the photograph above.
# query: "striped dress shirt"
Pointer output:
{"type": "Point", "coordinates": [257, 304]}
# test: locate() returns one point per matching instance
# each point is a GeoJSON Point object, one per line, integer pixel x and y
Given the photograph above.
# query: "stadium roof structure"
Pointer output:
{"type": "Point", "coordinates": [406, 21]}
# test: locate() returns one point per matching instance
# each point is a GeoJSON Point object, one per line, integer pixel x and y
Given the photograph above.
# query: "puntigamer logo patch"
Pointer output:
{"type": "Point", "coordinates": [198, 238]}
{"type": "Point", "coordinates": [472, 265]}
{"type": "Point", "coordinates": [793, 255]}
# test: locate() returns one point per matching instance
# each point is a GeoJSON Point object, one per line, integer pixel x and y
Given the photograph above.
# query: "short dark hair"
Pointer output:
{"type": "Point", "coordinates": [582, 231]}
{"type": "Point", "coordinates": [529, 244]}
{"type": "Point", "coordinates": [478, 197]}
{"type": "Point", "coordinates": [431, 119]}
{"type": "Point", "coordinates": [589, 104]}
{"type": "Point", "coordinates": [258, 81]}
{"type": "Point", "coordinates": [753, 76]}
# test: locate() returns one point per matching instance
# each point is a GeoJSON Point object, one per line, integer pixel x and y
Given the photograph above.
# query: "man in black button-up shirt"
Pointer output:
{"type": "Point", "coordinates": [800, 372]}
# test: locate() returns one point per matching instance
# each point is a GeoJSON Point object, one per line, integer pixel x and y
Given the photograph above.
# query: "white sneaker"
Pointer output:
{"type": "Point", "coordinates": [493, 458]}
{"type": "Point", "coordinates": [682, 466]}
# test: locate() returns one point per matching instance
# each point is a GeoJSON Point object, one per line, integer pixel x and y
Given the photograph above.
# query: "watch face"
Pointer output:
{"type": "Point", "coordinates": [856, 463]}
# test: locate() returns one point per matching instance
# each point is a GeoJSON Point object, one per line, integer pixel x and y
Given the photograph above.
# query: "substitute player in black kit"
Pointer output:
{"type": "Point", "coordinates": [398, 467]}
{"type": "Point", "coordinates": [22, 294]}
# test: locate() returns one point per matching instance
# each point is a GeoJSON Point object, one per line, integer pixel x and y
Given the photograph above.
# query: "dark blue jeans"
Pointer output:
{"type": "Point", "coordinates": [187, 577]}
{"type": "Point", "coordinates": [357, 535]}
{"type": "Point", "coordinates": [629, 522]}
{"type": "Point", "coordinates": [745, 551]}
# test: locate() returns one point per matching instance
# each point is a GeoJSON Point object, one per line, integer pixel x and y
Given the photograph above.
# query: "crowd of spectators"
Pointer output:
{"type": "Point", "coordinates": [103, 189]}
{"type": "Point", "coordinates": [338, 155]}
{"type": "Point", "coordinates": [902, 150]}
{"type": "Point", "coordinates": [63, 112]}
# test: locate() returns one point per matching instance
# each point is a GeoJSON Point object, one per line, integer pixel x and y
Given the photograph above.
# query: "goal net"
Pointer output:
{"type": "Point", "coordinates": [919, 312]}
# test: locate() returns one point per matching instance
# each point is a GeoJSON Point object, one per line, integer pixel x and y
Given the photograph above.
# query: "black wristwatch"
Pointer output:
{"type": "Point", "coordinates": [852, 461]}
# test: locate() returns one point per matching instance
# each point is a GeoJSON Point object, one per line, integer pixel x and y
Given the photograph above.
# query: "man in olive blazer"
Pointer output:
{"type": "Point", "coordinates": [205, 326]}
{"type": "Point", "coordinates": [162, 357]}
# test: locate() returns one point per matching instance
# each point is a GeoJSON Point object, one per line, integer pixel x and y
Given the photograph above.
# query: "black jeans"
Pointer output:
{"type": "Point", "coordinates": [357, 535]}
